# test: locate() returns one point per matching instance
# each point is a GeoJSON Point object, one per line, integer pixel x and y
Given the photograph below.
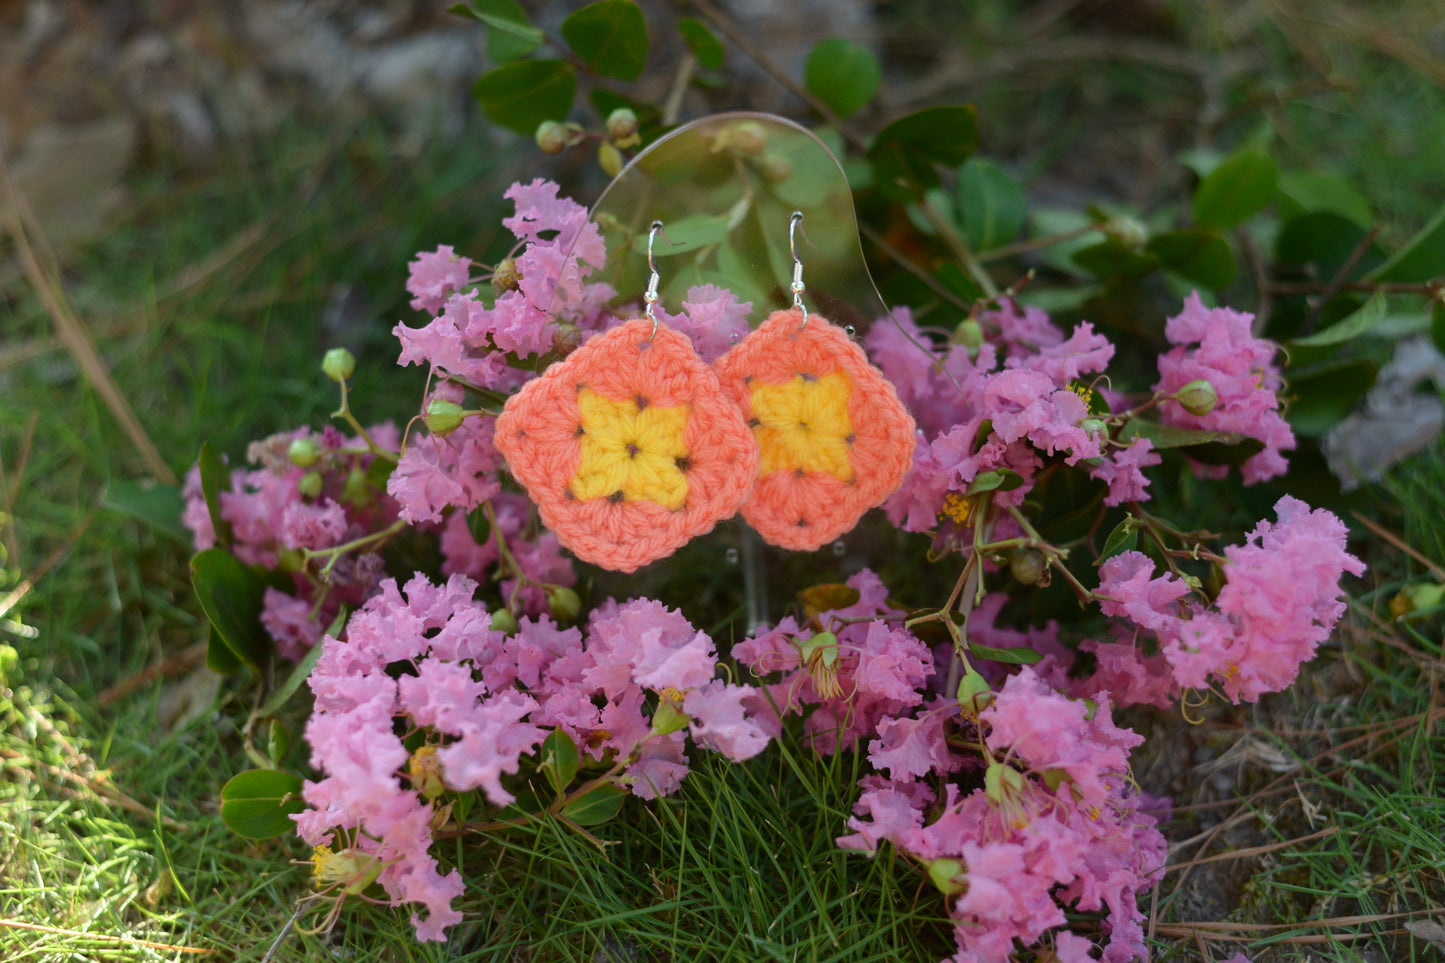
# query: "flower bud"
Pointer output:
{"type": "Point", "coordinates": [622, 127]}
{"type": "Point", "coordinates": [564, 603]}
{"type": "Point", "coordinates": [355, 490]}
{"type": "Point", "coordinates": [304, 452]}
{"type": "Point", "coordinates": [1128, 231]}
{"type": "Point", "coordinates": [749, 137]}
{"type": "Point", "coordinates": [310, 484]}
{"type": "Point", "coordinates": [506, 277]}
{"type": "Point", "coordinates": [290, 560]}
{"type": "Point", "coordinates": [1095, 428]}
{"type": "Point", "coordinates": [1198, 397]}
{"type": "Point", "coordinates": [1027, 565]}
{"type": "Point", "coordinates": [610, 159]}
{"type": "Point", "coordinates": [425, 770]}
{"type": "Point", "coordinates": [551, 137]}
{"type": "Point", "coordinates": [504, 621]}
{"type": "Point", "coordinates": [339, 364]}
{"type": "Point", "coordinates": [443, 417]}
{"type": "Point", "coordinates": [775, 167]}
{"type": "Point", "coordinates": [974, 693]}
{"type": "Point", "coordinates": [669, 717]}
{"type": "Point", "coordinates": [947, 875]}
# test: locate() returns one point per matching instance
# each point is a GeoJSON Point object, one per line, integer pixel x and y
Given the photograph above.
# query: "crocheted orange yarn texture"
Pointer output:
{"type": "Point", "coordinates": [629, 447]}
{"type": "Point", "coordinates": [835, 440]}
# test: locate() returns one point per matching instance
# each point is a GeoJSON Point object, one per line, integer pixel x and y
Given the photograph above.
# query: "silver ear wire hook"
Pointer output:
{"type": "Point", "coordinates": [650, 298]}
{"type": "Point", "coordinates": [797, 285]}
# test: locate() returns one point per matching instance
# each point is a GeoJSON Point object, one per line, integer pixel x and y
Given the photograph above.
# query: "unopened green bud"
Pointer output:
{"type": "Point", "coordinates": [749, 137]}
{"type": "Point", "coordinates": [310, 484]}
{"type": "Point", "coordinates": [339, 364]}
{"type": "Point", "coordinates": [1128, 231]}
{"type": "Point", "coordinates": [1198, 397]}
{"type": "Point", "coordinates": [947, 875]}
{"type": "Point", "coordinates": [564, 603]}
{"type": "Point", "coordinates": [504, 621]}
{"type": "Point", "coordinates": [1095, 427]}
{"type": "Point", "coordinates": [1027, 565]}
{"type": "Point", "coordinates": [443, 417]}
{"type": "Point", "coordinates": [610, 159]}
{"type": "Point", "coordinates": [622, 127]}
{"type": "Point", "coordinates": [304, 452]}
{"type": "Point", "coordinates": [974, 692]}
{"type": "Point", "coordinates": [669, 718]}
{"type": "Point", "coordinates": [999, 780]}
{"type": "Point", "coordinates": [290, 560]}
{"type": "Point", "coordinates": [506, 277]}
{"type": "Point", "coordinates": [355, 490]}
{"type": "Point", "coordinates": [551, 137]}
{"type": "Point", "coordinates": [969, 333]}
{"type": "Point", "coordinates": [775, 167]}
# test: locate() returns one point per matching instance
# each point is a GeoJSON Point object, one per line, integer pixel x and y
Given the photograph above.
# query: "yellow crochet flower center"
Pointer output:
{"type": "Point", "coordinates": [631, 451]}
{"type": "Point", "coordinates": [803, 426]}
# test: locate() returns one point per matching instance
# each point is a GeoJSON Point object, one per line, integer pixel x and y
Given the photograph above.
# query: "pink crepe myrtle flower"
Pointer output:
{"type": "Point", "coordinates": [435, 275]}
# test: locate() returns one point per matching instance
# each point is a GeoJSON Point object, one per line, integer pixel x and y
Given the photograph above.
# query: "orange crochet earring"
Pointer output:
{"type": "Point", "coordinates": [629, 446]}
{"type": "Point", "coordinates": [834, 439]}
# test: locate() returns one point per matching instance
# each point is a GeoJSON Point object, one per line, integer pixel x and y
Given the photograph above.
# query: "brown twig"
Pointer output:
{"type": "Point", "coordinates": [46, 280]}
{"type": "Point", "coordinates": [182, 661]}
{"type": "Point", "coordinates": [103, 937]}
{"type": "Point", "coordinates": [1341, 275]}
{"type": "Point", "coordinates": [1400, 544]}
{"type": "Point", "coordinates": [1428, 288]}
{"type": "Point", "coordinates": [907, 263]}
{"type": "Point", "coordinates": [1251, 851]}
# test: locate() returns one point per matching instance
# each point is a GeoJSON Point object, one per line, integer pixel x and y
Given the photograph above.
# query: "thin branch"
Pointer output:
{"type": "Point", "coordinates": [1341, 275]}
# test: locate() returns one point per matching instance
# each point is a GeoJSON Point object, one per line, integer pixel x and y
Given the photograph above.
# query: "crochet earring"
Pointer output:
{"type": "Point", "coordinates": [834, 439]}
{"type": "Point", "coordinates": [628, 446]}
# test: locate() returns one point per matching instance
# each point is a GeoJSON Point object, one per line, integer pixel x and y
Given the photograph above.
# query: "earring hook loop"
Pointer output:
{"type": "Point", "coordinates": [650, 298]}
{"type": "Point", "coordinates": [797, 286]}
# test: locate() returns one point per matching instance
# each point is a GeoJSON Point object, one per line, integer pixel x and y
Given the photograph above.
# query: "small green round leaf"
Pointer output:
{"type": "Point", "coordinates": [559, 759]}
{"type": "Point", "coordinates": [258, 803]}
{"type": "Point", "coordinates": [610, 37]}
{"type": "Point", "coordinates": [1239, 187]}
{"type": "Point", "coordinates": [989, 203]}
{"type": "Point", "coordinates": [703, 43]}
{"type": "Point", "coordinates": [520, 96]}
{"type": "Point", "coordinates": [596, 806]}
{"type": "Point", "coordinates": [1199, 256]}
{"type": "Point", "coordinates": [842, 74]}
{"type": "Point", "coordinates": [231, 596]}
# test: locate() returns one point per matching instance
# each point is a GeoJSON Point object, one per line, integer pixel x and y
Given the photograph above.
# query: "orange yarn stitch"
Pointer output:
{"type": "Point", "coordinates": [789, 380]}
{"type": "Point", "coordinates": [629, 447]}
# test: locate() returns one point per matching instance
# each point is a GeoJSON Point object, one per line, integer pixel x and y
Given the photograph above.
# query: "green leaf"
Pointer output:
{"type": "Point", "coordinates": [259, 803]}
{"type": "Point", "coordinates": [1013, 655]}
{"type": "Point", "coordinates": [520, 96]}
{"type": "Point", "coordinates": [842, 74]}
{"type": "Point", "coordinates": [1437, 326]}
{"type": "Point", "coordinates": [1002, 480]}
{"type": "Point", "coordinates": [1422, 258]}
{"type": "Point", "coordinates": [957, 280]}
{"type": "Point", "coordinates": [559, 760]}
{"type": "Point", "coordinates": [686, 234]}
{"type": "Point", "coordinates": [990, 205]}
{"type": "Point", "coordinates": [904, 152]}
{"type": "Point", "coordinates": [1310, 191]}
{"type": "Point", "coordinates": [215, 478]}
{"type": "Point", "coordinates": [1371, 313]}
{"type": "Point", "coordinates": [1124, 538]}
{"type": "Point", "coordinates": [479, 526]}
{"type": "Point", "coordinates": [510, 35]}
{"type": "Point", "coordinates": [219, 657]}
{"type": "Point", "coordinates": [157, 505]}
{"type": "Point", "coordinates": [1113, 260]}
{"type": "Point", "coordinates": [1210, 447]}
{"type": "Point", "coordinates": [231, 594]}
{"type": "Point", "coordinates": [1325, 241]}
{"type": "Point", "coordinates": [1239, 187]}
{"type": "Point", "coordinates": [610, 37]}
{"type": "Point", "coordinates": [302, 670]}
{"type": "Point", "coordinates": [703, 43]}
{"type": "Point", "coordinates": [278, 742]}
{"type": "Point", "coordinates": [1199, 256]}
{"type": "Point", "coordinates": [596, 806]}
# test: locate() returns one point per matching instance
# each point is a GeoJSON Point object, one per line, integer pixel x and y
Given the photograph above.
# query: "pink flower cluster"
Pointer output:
{"type": "Point", "coordinates": [276, 513]}
{"type": "Point", "coordinates": [1033, 406]}
{"type": "Point", "coordinates": [1279, 602]}
{"type": "Point", "coordinates": [1216, 345]}
{"type": "Point", "coordinates": [421, 674]}
{"type": "Point", "coordinates": [1055, 823]}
